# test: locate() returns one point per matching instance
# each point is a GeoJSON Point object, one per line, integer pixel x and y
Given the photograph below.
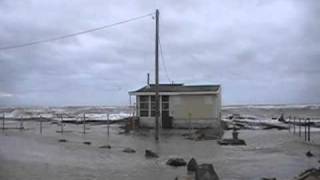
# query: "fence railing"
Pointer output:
{"type": "Point", "coordinates": [302, 126]}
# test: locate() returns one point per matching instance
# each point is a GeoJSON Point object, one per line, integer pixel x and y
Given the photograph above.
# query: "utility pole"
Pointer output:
{"type": "Point", "coordinates": [157, 77]}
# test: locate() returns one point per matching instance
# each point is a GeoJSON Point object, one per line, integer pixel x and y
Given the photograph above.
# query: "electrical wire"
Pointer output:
{"type": "Point", "coordinates": [73, 34]}
{"type": "Point", "coordinates": [163, 62]}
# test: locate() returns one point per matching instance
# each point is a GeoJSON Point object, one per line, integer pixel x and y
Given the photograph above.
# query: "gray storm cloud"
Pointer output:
{"type": "Point", "coordinates": [259, 51]}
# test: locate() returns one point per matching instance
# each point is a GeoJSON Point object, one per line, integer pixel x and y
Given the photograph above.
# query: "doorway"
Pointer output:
{"type": "Point", "coordinates": [166, 119]}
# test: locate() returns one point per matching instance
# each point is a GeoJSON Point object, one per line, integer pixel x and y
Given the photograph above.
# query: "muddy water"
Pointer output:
{"type": "Point", "coordinates": [28, 155]}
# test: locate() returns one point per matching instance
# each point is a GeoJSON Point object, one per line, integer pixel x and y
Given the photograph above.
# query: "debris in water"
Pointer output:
{"type": "Point", "coordinates": [176, 162]}
{"type": "Point", "coordinates": [129, 150]}
{"type": "Point", "coordinates": [309, 154]}
{"type": "Point", "coordinates": [87, 142]}
{"type": "Point", "coordinates": [62, 140]}
{"type": "Point", "coordinates": [234, 141]}
{"type": "Point", "coordinates": [192, 165]}
{"type": "Point", "coordinates": [105, 147]}
{"type": "Point", "coordinates": [150, 154]}
{"type": "Point", "coordinates": [309, 174]}
{"type": "Point", "coordinates": [265, 178]}
{"type": "Point", "coordinates": [206, 172]}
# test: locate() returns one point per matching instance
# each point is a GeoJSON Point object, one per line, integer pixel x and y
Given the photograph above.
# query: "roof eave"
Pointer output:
{"type": "Point", "coordinates": [175, 93]}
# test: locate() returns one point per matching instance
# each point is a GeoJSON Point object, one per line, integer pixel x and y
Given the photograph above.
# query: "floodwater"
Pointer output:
{"type": "Point", "coordinates": [29, 155]}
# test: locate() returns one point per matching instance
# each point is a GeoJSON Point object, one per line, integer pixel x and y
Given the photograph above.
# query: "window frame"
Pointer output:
{"type": "Point", "coordinates": [144, 109]}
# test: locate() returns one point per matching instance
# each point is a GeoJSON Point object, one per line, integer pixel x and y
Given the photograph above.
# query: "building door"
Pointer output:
{"type": "Point", "coordinates": [166, 119]}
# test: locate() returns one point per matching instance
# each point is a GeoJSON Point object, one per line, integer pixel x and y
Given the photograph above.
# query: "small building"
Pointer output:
{"type": "Point", "coordinates": [181, 106]}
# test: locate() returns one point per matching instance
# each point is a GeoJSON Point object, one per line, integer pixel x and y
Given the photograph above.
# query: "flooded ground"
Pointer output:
{"type": "Point", "coordinates": [28, 155]}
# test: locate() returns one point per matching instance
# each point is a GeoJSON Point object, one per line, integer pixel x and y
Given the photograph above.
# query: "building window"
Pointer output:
{"type": "Point", "coordinates": [153, 106]}
{"type": "Point", "coordinates": [165, 98]}
{"type": "Point", "coordinates": [144, 106]}
{"type": "Point", "coordinates": [144, 113]}
{"type": "Point", "coordinates": [165, 103]}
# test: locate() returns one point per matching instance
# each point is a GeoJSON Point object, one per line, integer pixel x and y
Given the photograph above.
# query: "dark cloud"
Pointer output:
{"type": "Point", "coordinates": [259, 51]}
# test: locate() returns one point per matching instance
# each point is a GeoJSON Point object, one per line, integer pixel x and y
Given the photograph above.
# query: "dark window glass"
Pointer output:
{"type": "Point", "coordinates": [144, 113]}
{"type": "Point", "coordinates": [165, 106]}
{"type": "Point", "coordinates": [144, 106]}
{"type": "Point", "coordinates": [165, 98]}
{"type": "Point", "coordinates": [144, 98]}
{"type": "Point", "coordinates": [153, 113]}
{"type": "Point", "coordinates": [153, 106]}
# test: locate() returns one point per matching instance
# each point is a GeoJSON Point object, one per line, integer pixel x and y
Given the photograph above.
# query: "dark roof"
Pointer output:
{"type": "Point", "coordinates": [178, 88]}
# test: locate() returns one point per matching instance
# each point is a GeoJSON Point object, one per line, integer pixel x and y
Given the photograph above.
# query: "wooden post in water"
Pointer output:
{"type": "Point", "coordinates": [61, 124]}
{"type": "Point", "coordinates": [294, 125]}
{"type": "Point", "coordinates": [299, 127]}
{"type": "Point", "coordinates": [3, 119]}
{"type": "Point", "coordinates": [309, 124]}
{"type": "Point", "coordinates": [84, 123]}
{"type": "Point", "coordinates": [21, 123]}
{"type": "Point", "coordinates": [108, 125]}
{"type": "Point", "coordinates": [305, 129]}
{"type": "Point", "coordinates": [190, 124]}
{"type": "Point", "coordinates": [40, 120]}
{"type": "Point", "coordinates": [289, 119]}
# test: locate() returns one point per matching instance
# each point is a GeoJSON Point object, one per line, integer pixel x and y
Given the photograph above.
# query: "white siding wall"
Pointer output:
{"type": "Point", "coordinates": [204, 109]}
{"type": "Point", "coordinates": [200, 106]}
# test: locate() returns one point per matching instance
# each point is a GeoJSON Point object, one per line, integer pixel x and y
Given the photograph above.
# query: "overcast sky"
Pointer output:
{"type": "Point", "coordinates": [259, 51]}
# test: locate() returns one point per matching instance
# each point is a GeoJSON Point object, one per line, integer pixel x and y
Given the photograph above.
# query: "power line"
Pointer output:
{"type": "Point", "coordinates": [73, 34]}
{"type": "Point", "coordinates": [164, 63]}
